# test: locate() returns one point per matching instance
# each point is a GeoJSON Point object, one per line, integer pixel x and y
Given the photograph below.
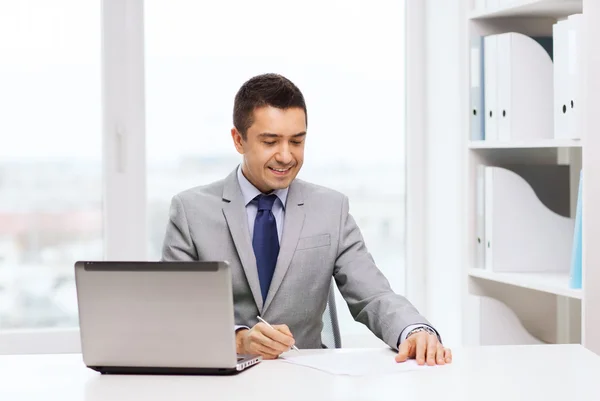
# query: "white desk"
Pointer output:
{"type": "Point", "coordinates": [563, 372]}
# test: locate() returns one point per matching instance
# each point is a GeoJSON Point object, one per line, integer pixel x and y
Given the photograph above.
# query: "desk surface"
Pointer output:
{"type": "Point", "coordinates": [542, 372]}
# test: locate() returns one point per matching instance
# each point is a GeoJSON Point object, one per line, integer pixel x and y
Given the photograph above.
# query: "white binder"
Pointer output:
{"type": "Point", "coordinates": [490, 85]}
{"type": "Point", "coordinates": [522, 234]}
{"type": "Point", "coordinates": [489, 217]}
{"type": "Point", "coordinates": [575, 80]}
{"type": "Point", "coordinates": [504, 79]}
{"type": "Point", "coordinates": [480, 219]}
{"type": "Point", "coordinates": [477, 87]}
{"type": "Point", "coordinates": [561, 109]}
{"type": "Point", "coordinates": [524, 89]}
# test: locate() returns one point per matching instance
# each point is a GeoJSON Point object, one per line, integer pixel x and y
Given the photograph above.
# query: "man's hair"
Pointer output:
{"type": "Point", "coordinates": [264, 90]}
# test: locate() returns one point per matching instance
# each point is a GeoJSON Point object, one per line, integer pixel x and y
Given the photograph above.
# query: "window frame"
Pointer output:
{"type": "Point", "coordinates": [124, 166]}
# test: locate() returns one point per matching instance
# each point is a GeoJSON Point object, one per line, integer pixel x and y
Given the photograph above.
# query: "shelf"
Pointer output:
{"type": "Point", "coordinates": [553, 283]}
{"type": "Point", "coordinates": [534, 144]}
{"type": "Point", "coordinates": [532, 8]}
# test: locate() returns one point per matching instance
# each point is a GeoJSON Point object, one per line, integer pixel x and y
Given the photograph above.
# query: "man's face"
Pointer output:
{"type": "Point", "coordinates": [274, 147]}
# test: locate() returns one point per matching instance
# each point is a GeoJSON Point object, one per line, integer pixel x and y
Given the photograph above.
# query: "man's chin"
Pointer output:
{"type": "Point", "coordinates": [281, 183]}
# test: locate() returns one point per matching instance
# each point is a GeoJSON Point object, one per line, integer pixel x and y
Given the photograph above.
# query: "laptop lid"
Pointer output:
{"type": "Point", "coordinates": [156, 314]}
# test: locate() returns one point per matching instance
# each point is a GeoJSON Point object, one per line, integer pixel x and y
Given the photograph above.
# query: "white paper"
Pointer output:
{"type": "Point", "coordinates": [356, 362]}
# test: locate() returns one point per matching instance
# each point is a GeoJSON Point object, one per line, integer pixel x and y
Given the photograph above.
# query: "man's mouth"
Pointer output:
{"type": "Point", "coordinates": [280, 171]}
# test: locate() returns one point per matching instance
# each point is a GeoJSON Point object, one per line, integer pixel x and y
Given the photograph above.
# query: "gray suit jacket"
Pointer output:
{"type": "Point", "coordinates": [320, 239]}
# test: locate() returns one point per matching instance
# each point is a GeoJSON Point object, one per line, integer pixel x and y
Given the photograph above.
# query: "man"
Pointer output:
{"type": "Point", "coordinates": [285, 238]}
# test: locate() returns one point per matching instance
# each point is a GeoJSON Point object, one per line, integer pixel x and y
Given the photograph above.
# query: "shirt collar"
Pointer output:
{"type": "Point", "coordinates": [249, 191]}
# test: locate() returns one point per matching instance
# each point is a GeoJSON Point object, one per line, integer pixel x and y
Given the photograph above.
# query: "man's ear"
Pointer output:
{"type": "Point", "coordinates": [237, 140]}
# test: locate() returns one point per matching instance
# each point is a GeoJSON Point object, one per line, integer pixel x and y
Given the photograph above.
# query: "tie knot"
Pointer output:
{"type": "Point", "coordinates": [265, 202]}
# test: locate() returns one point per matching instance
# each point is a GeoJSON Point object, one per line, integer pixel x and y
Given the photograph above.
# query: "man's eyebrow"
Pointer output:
{"type": "Point", "coordinates": [271, 135]}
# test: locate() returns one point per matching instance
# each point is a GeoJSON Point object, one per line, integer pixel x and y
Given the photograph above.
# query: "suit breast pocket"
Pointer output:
{"type": "Point", "coordinates": [315, 241]}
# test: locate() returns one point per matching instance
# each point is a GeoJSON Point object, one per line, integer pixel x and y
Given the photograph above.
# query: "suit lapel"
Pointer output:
{"type": "Point", "coordinates": [292, 227]}
{"type": "Point", "coordinates": [234, 211]}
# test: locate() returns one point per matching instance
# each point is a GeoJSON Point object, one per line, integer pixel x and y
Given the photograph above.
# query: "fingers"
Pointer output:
{"type": "Point", "coordinates": [421, 345]}
{"type": "Point", "coordinates": [424, 348]}
{"type": "Point", "coordinates": [405, 351]}
{"type": "Point", "coordinates": [283, 328]}
{"type": "Point", "coordinates": [440, 359]}
{"type": "Point", "coordinates": [278, 335]}
{"type": "Point", "coordinates": [264, 339]}
{"type": "Point", "coordinates": [432, 347]}
{"type": "Point", "coordinates": [448, 355]}
{"type": "Point", "coordinates": [258, 343]}
{"type": "Point", "coordinates": [265, 352]}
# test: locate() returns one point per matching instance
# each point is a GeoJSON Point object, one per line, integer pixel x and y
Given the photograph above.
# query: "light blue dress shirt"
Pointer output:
{"type": "Point", "coordinates": [249, 192]}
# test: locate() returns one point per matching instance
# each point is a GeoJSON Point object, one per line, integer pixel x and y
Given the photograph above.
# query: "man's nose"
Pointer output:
{"type": "Point", "coordinates": [284, 156]}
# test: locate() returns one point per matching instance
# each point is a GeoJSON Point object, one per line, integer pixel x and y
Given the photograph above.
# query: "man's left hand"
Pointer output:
{"type": "Point", "coordinates": [424, 347]}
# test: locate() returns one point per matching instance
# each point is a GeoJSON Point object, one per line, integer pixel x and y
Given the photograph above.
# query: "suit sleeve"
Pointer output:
{"type": "Point", "coordinates": [178, 244]}
{"type": "Point", "coordinates": [366, 290]}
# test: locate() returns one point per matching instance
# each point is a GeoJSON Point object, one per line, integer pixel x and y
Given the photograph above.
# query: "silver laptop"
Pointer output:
{"type": "Point", "coordinates": [158, 318]}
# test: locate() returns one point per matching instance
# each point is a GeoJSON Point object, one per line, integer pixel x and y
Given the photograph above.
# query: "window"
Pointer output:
{"type": "Point", "coordinates": [348, 59]}
{"type": "Point", "coordinates": [50, 157]}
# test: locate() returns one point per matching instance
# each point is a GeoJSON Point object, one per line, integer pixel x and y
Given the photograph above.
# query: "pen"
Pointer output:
{"type": "Point", "coordinates": [267, 323]}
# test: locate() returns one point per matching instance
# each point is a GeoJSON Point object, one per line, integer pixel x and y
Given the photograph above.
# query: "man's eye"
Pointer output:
{"type": "Point", "coordinates": [269, 142]}
{"type": "Point", "coordinates": [297, 142]}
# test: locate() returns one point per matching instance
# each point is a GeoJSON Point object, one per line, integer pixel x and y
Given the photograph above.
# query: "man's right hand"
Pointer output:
{"type": "Point", "coordinates": [264, 340]}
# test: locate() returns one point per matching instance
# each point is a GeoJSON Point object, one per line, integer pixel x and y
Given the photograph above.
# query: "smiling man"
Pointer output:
{"type": "Point", "coordinates": [285, 238]}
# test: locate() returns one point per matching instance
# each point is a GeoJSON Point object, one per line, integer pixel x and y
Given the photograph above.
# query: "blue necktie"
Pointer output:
{"type": "Point", "coordinates": [265, 242]}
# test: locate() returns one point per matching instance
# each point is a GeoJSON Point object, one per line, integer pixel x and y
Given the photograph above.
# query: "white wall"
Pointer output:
{"type": "Point", "coordinates": [591, 180]}
{"type": "Point", "coordinates": [446, 153]}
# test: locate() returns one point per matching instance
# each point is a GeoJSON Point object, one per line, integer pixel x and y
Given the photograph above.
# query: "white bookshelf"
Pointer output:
{"type": "Point", "coordinates": [544, 302]}
{"type": "Point", "coordinates": [530, 8]}
{"type": "Point", "coordinates": [552, 283]}
{"type": "Point", "coordinates": [534, 144]}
